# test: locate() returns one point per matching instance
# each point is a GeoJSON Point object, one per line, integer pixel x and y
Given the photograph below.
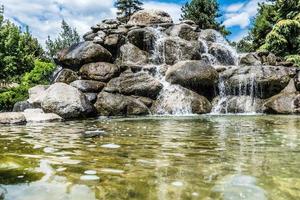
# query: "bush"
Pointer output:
{"type": "Point", "coordinates": [12, 96]}
{"type": "Point", "coordinates": [294, 59]}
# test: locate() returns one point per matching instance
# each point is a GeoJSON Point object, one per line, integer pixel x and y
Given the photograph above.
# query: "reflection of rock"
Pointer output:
{"type": "Point", "coordinates": [12, 118]}
{"type": "Point", "coordinates": [237, 186]}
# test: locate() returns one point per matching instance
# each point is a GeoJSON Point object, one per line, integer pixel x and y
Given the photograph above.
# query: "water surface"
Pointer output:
{"type": "Point", "coordinates": [199, 157]}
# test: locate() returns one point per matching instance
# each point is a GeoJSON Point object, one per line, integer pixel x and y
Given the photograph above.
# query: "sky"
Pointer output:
{"type": "Point", "coordinates": [44, 16]}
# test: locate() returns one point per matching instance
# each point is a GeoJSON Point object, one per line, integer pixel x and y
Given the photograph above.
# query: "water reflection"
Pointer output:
{"type": "Point", "coordinates": [205, 157]}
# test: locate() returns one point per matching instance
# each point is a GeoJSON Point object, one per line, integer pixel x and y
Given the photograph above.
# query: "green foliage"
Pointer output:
{"type": "Point", "coordinates": [12, 96]}
{"type": "Point", "coordinates": [245, 45]}
{"type": "Point", "coordinates": [126, 8]}
{"type": "Point", "coordinates": [17, 50]}
{"type": "Point", "coordinates": [204, 13]}
{"type": "Point", "coordinates": [294, 59]}
{"type": "Point", "coordinates": [67, 37]}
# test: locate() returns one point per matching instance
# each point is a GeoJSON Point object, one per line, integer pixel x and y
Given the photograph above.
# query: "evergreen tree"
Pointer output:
{"type": "Point", "coordinates": [126, 8]}
{"type": "Point", "coordinates": [67, 37]}
{"type": "Point", "coordinates": [1, 14]}
{"type": "Point", "coordinates": [204, 13]}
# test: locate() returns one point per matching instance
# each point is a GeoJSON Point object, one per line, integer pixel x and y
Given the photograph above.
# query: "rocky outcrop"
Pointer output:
{"type": "Point", "coordinates": [66, 101]}
{"type": "Point", "coordinates": [82, 53]}
{"type": "Point", "coordinates": [100, 71]}
{"type": "Point", "coordinates": [148, 17]}
{"type": "Point", "coordinates": [109, 104]}
{"type": "Point", "coordinates": [139, 84]}
{"type": "Point", "coordinates": [195, 75]}
{"type": "Point", "coordinates": [88, 85]}
{"type": "Point", "coordinates": [12, 118]}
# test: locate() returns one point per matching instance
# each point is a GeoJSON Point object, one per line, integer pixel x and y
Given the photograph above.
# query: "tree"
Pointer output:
{"type": "Point", "coordinates": [204, 13]}
{"type": "Point", "coordinates": [67, 37]}
{"type": "Point", "coordinates": [126, 8]}
{"type": "Point", "coordinates": [1, 14]}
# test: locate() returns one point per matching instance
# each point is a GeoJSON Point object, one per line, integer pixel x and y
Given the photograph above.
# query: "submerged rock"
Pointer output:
{"type": "Point", "coordinates": [195, 75]}
{"type": "Point", "coordinates": [100, 71]}
{"type": "Point", "coordinates": [83, 53]}
{"type": "Point", "coordinates": [148, 17]}
{"type": "Point", "coordinates": [109, 104]}
{"type": "Point", "coordinates": [139, 84]}
{"type": "Point", "coordinates": [66, 101]}
{"type": "Point", "coordinates": [12, 118]}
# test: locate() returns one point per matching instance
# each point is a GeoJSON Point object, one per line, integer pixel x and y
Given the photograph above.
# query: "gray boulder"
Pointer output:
{"type": "Point", "coordinates": [92, 97]}
{"type": "Point", "coordinates": [83, 53]}
{"type": "Point", "coordinates": [21, 106]}
{"type": "Point", "coordinates": [109, 104]}
{"type": "Point", "coordinates": [88, 85]}
{"type": "Point", "coordinates": [184, 31]}
{"type": "Point", "coordinates": [131, 55]}
{"type": "Point", "coordinates": [12, 118]}
{"type": "Point", "coordinates": [148, 17]}
{"type": "Point", "coordinates": [37, 94]}
{"type": "Point", "coordinates": [143, 38]}
{"type": "Point", "coordinates": [100, 71]}
{"type": "Point", "coordinates": [139, 84]}
{"type": "Point", "coordinates": [250, 59]}
{"type": "Point", "coordinates": [195, 75]}
{"type": "Point", "coordinates": [66, 76]}
{"type": "Point", "coordinates": [224, 54]}
{"type": "Point", "coordinates": [66, 101]}
{"type": "Point", "coordinates": [179, 100]}
{"type": "Point", "coordinates": [265, 81]}
{"type": "Point", "coordinates": [38, 116]}
{"type": "Point", "coordinates": [89, 36]}
{"type": "Point", "coordinates": [212, 36]}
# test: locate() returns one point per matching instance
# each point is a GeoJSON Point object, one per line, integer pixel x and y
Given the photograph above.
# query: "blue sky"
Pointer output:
{"type": "Point", "coordinates": [44, 16]}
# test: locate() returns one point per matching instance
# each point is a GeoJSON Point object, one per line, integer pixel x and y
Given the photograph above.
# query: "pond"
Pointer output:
{"type": "Point", "coordinates": [195, 157]}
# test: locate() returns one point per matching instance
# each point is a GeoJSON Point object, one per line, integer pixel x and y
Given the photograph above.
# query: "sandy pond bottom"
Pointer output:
{"type": "Point", "coordinates": [199, 157]}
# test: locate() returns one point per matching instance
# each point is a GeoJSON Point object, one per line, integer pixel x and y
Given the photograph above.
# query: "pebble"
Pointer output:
{"type": "Point", "coordinates": [110, 146]}
{"type": "Point", "coordinates": [89, 178]}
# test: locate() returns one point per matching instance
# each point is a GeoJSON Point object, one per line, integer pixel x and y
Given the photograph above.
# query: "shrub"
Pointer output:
{"type": "Point", "coordinates": [294, 59]}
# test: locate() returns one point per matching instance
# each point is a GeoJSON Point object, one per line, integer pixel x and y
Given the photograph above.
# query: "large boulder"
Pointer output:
{"type": "Point", "coordinates": [88, 85]}
{"type": "Point", "coordinates": [184, 31]}
{"type": "Point", "coordinates": [143, 38]}
{"type": "Point", "coordinates": [37, 94]}
{"type": "Point", "coordinates": [178, 100]}
{"type": "Point", "coordinates": [250, 59]}
{"type": "Point", "coordinates": [21, 106]}
{"type": "Point", "coordinates": [224, 54]}
{"type": "Point", "coordinates": [83, 53]}
{"type": "Point", "coordinates": [100, 71]}
{"type": "Point", "coordinates": [66, 101]}
{"type": "Point", "coordinates": [66, 76]}
{"type": "Point", "coordinates": [38, 116]}
{"type": "Point", "coordinates": [212, 36]}
{"type": "Point", "coordinates": [139, 84]}
{"type": "Point", "coordinates": [12, 118]}
{"type": "Point", "coordinates": [109, 104]}
{"type": "Point", "coordinates": [195, 75]}
{"type": "Point", "coordinates": [148, 17]}
{"type": "Point", "coordinates": [174, 49]}
{"type": "Point", "coordinates": [129, 54]}
{"type": "Point", "coordinates": [263, 81]}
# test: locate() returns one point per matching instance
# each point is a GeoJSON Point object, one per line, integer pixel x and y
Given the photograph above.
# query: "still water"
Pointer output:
{"type": "Point", "coordinates": [204, 157]}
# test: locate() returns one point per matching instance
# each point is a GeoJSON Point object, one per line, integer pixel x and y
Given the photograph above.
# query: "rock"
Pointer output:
{"type": "Point", "coordinates": [174, 49]}
{"type": "Point", "coordinates": [66, 76]}
{"type": "Point", "coordinates": [145, 100]}
{"type": "Point", "coordinates": [131, 55]}
{"type": "Point", "coordinates": [83, 53]}
{"type": "Point", "coordinates": [99, 71]}
{"type": "Point", "coordinates": [111, 21]}
{"type": "Point", "coordinates": [297, 80]}
{"type": "Point", "coordinates": [266, 81]}
{"type": "Point", "coordinates": [179, 100]}
{"type": "Point", "coordinates": [89, 36]}
{"type": "Point", "coordinates": [109, 104]}
{"type": "Point", "coordinates": [189, 22]}
{"type": "Point", "coordinates": [66, 101]}
{"type": "Point", "coordinates": [38, 116]}
{"type": "Point", "coordinates": [238, 104]}
{"type": "Point", "coordinates": [99, 38]}
{"type": "Point", "coordinates": [209, 59]}
{"type": "Point", "coordinates": [37, 94]}
{"type": "Point", "coordinates": [250, 59]}
{"type": "Point", "coordinates": [113, 42]}
{"type": "Point", "coordinates": [12, 118]}
{"type": "Point", "coordinates": [183, 31]}
{"type": "Point", "coordinates": [212, 36]}
{"type": "Point", "coordinates": [92, 134]}
{"type": "Point", "coordinates": [286, 102]}
{"type": "Point", "coordinates": [139, 84]}
{"type": "Point", "coordinates": [21, 106]}
{"type": "Point", "coordinates": [148, 17]}
{"type": "Point", "coordinates": [195, 75]}
{"type": "Point", "coordinates": [143, 38]}
{"type": "Point", "coordinates": [92, 97]}
{"type": "Point", "coordinates": [88, 85]}
{"type": "Point", "coordinates": [224, 54]}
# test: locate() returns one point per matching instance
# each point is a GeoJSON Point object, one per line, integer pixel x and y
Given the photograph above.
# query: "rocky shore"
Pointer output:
{"type": "Point", "coordinates": [153, 66]}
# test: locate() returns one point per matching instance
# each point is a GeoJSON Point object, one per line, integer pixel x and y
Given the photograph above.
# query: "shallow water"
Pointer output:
{"type": "Point", "coordinates": [204, 157]}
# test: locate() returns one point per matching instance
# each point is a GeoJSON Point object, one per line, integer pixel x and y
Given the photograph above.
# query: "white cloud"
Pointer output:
{"type": "Point", "coordinates": [44, 16]}
{"type": "Point", "coordinates": [240, 14]}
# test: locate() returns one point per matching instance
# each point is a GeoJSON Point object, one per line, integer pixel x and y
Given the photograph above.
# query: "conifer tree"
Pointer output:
{"type": "Point", "coordinates": [204, 13]}
{"type": "Point", "coordinates": [126, 8]}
